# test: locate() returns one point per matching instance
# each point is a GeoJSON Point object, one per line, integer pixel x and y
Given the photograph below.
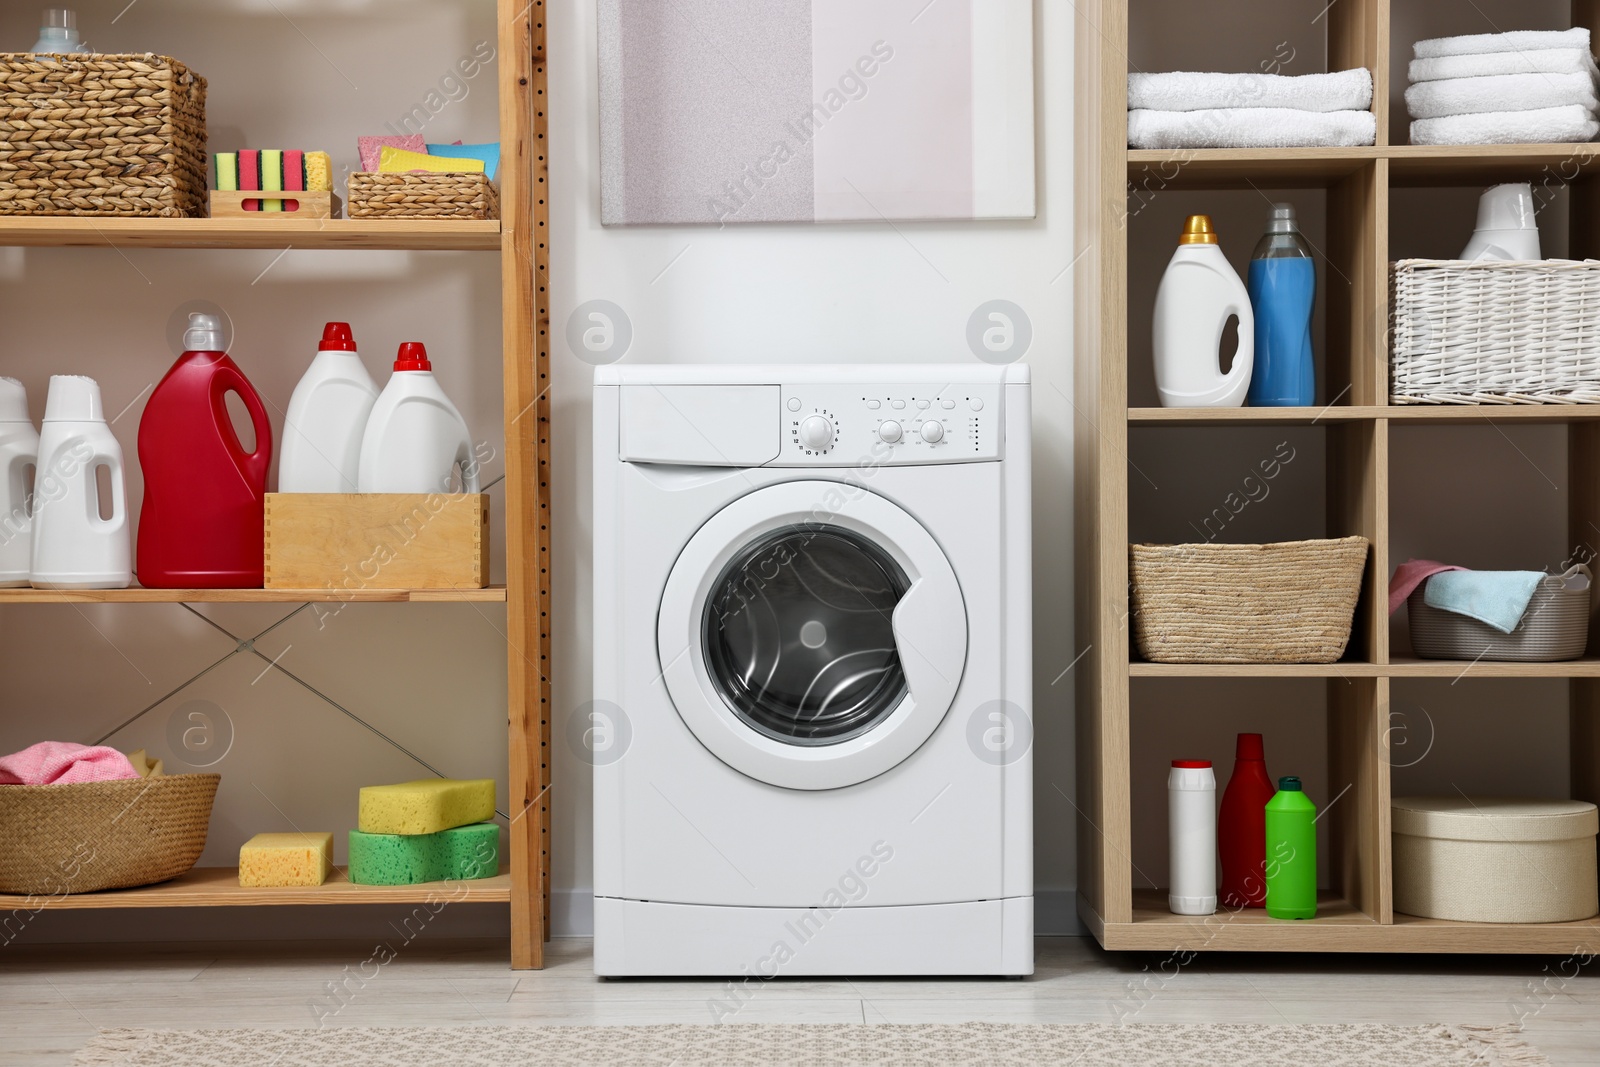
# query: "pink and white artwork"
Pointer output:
{"type": "Point", "coordinates": [728, 111]}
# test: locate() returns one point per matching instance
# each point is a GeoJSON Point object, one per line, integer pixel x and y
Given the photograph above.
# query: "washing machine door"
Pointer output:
{"type": "Point", "coordinates": [812, 635]}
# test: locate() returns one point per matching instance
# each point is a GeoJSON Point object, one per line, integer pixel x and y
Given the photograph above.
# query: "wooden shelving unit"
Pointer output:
{"type": "Point", "coordinates": [1115, 279]}
{"type": "Point", "coordinates": [521, 237]}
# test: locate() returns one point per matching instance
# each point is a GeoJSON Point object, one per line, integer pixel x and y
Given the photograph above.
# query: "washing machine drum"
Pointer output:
{"type": "Point", "coordinates": [812, 635]}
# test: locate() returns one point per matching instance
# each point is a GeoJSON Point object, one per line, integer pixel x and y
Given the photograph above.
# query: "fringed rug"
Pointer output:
{"type": "Point", "coordinates": [1095, 1045]}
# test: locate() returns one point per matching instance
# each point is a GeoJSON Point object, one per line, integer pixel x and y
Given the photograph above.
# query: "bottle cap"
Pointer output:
{"type": "Point", "coordinates": [336, 337]}
{"type": "Point", "coordinates": [13, 401]}
{"type": "Point", "coordinates": [1290, 784]}
{"type": "Point", "coordinates": [413, 356]}
{"type": "Point", "coordinates": [1192, 764]}
{"type": "Point", "coordinates": [73, 398]}
{"type": "Point", "coordinates": [204, 334]}
{"type": "Point", "coordinates": [1249, 747]}
{"type": "Point", "coordinates": [1198, 231]}
{"type": "Point", "coordinates": [1283, 220]}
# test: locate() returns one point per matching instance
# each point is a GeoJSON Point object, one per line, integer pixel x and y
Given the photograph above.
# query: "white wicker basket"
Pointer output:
{"type": "Point", "coordinates": [1496, 332]}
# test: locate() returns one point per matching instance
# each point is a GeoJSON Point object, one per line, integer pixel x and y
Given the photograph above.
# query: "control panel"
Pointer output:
{"type": "Point", "coordinates": [851, 425]}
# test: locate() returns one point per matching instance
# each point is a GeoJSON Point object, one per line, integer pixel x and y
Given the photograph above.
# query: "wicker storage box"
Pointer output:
{"type": "Point", "coordinates": [1555, 626]}
{"type": "Point", "coordinates": [63, 839]}
{"type": "Point", "coordinates": [1496, 332]}
{"type": "Point", "coordinates": [1495, 861]}
{"type": "Point", "coordinates": [101, 135]}
{"type": "Point", "coordinates": [1284, 603]}
{"type": "Point", "coordinates": [421, 196]}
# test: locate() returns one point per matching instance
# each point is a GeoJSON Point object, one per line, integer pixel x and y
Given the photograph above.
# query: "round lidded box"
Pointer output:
{"type": "Point", "coordinates": [1495, 860]}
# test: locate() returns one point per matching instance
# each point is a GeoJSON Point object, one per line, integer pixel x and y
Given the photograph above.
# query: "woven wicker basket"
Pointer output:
{"type": "Point", "coordinates": [1495, 332]}
{"type": "Point", "coordinates": [1284, 603]}
{"type": "Point", "coordinates": [101, 135]}
{"type": "Point", "coordinates": [64, 839]}
{"type": "Point", "coordinates": [1555, 627]}
{"type": "Point", "coordinates": [421, 196]}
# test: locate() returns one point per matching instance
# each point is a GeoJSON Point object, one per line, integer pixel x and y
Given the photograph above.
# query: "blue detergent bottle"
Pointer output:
{"type": "Point", "coordinates": [1283, 287]}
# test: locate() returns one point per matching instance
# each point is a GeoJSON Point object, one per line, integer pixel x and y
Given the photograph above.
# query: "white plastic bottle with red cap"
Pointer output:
{"type": "Point", "coordinates": [1192, 837]}
{"type": "Point", "coordinates": [327, 418]}
{"type": "Point", "coordinates": [416, 439]}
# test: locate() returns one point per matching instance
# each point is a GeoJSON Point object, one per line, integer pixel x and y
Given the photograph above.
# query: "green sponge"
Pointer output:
{"type": "Point", "coordinates": [459, 854]}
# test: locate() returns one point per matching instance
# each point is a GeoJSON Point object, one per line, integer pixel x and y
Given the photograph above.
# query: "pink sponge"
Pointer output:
{"type": "Point", "coordinates": [372, 146]}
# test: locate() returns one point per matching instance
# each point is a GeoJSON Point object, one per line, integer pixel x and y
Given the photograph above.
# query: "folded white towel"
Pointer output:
{"type": "Point", "coordinates": [1345, 90]}
{"type": "Point", "coordinates": [1539, 61]}
{"type": "Point", "coordinates": [1478, 44]}
{"type": "Point", "coordinates": [1551, 125]}
{"type": "Point", "coordinates": [1250, 127]}
{"type": "Point", "coordinates": [1507, 92]}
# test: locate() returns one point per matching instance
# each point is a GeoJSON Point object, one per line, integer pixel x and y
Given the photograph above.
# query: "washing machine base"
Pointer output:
{"type": "Point", "coordinates": [646, 938]}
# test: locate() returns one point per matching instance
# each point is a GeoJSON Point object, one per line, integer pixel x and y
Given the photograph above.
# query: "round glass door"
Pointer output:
{"type": "Point", "coordinates": [798, 634]}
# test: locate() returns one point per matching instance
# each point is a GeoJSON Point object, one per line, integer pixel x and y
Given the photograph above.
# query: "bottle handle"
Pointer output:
{"type": "Point", "coordinates": [119, 490]}
{"type": "Point", "coordinates": [1244, 354]}
{"type": "Point", "coordinates": [253, 465]}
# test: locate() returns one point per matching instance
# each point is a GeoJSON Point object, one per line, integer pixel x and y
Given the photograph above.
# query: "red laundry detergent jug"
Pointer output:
{"type": "Point", "coordinates": [201, 524]}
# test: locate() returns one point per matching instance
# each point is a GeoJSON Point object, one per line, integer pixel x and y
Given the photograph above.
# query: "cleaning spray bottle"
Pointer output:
{"type": "Point", "coordinates": [415, 438]}
{"type": "Point", "coordinates": [327, 419]}
{"type": "Point", "coordinates": [1199, 295]}
{"type": "Point", "coordinates": [204, 508]}
{"type": "Point", "coordinates": [1283, 289]}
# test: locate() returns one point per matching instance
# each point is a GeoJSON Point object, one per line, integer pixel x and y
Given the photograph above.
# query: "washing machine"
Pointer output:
{"type": "Point", "coordinates": [813, 645]}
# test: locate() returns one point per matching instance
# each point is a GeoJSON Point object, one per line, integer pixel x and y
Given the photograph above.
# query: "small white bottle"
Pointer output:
{"type": "Point", "coordinates": [415, 439]}
{"type": "Point", "coordinates": [1192, 837]}
{"type": "Point", "coordinates": [327, 419]}
{"type": "Point", "coordinates": [58, 33]}
{"type": "Point", "coordinates": [73, 547]}
{"type": "Point", "coordinates": [19, 456]}
{"type": "Point", "coordinates": [1199, 293]}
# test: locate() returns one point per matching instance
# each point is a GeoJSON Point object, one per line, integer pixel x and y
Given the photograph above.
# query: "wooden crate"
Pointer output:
{"type": "Point", "coordinates": [229, 204]}
{"type": "Point", "coordinates": [356, 541]}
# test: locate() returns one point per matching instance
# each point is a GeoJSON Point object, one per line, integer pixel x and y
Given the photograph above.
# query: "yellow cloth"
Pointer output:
{"type": "Point", "coordinates": [392, 160]}
{"type": "Point", "coordinates": [319, 172]}
{"type": "Point", "coordinates": [425, 807]}
{"type": "Point", "coordinates": [147, 767]}
{"type": "Point", "coordinates": [285, 860]}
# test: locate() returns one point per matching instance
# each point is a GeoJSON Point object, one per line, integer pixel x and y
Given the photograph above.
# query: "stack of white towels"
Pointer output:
{"type": "Point", "coordinates": [1523, 87]}
{"type": "Point", "coordinates": [1185, 109]}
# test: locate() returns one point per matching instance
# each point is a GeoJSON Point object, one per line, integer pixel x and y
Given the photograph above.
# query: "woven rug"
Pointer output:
{"type": "Point", "coordinates": [1210, 1045]}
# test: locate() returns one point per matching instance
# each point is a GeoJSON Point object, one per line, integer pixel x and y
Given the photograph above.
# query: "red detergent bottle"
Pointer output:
{"type": "Point", "coordinates": [1242, 827]}
{"type": "Point", "coordinates": [203, 514]}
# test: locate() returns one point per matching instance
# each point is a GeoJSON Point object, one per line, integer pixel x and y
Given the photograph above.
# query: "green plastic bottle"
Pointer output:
{"type": "Point", "coordinates": [1291, 852]}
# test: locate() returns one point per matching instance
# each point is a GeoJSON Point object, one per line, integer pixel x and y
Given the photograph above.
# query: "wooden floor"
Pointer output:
{"type": "Point", "coordinates": [52, 1000]}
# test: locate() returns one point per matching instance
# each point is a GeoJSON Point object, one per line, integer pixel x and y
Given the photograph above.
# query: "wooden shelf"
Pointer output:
{"type": "Point", "coordinates": [402, 234]}
{"type": "Point", "coordinates": [213, 887]}
{"type": "Point", "coordinates": [1487, 164]}
{"type": "Point", "coordinates": [1222, 168]}
{"type": "Point", "coordinates": [1459, 414]}
{"type": "Point", "coordinates": [1405, 667]}
{"type": "Point", "coordinates": [493, 594]}
{"type": "Point", "coordinates": [1295, 416]}
{"type": "Point", "coordinates": [1338, 927]}
{"type": "Point", "coordinates": [1137, 669]}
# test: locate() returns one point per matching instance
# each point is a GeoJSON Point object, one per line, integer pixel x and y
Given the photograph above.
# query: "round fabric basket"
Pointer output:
{"type": "Point", "coordinates": [1291, 602]}
{"type": "Point", "coordinates": [1555, 626]}
{"type": "Point", "coordinates": [64, 839]}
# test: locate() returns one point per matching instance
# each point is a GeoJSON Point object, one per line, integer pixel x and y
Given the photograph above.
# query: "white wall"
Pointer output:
{"type": "Point", "coordinates": [856, 294]}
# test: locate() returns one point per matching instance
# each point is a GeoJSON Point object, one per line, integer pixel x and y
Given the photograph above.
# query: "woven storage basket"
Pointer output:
{"type": "Point", "coordinates": [421, 196]}
{"type": "Point", "coordinates": [63, 839]}
{"type": "Point", "coordinates": [1285, 603]}
{"type": "Point", "coordinates": [1495, 332]}
{"type": "Point", "coordinates": [1555, 626]}
{"type": "Point", "coordinates": [1490, 860]}
{"type": "Point", "coordinates": [101, 135]}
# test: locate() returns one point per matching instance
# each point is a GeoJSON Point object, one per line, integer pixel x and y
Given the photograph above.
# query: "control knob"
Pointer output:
{"type": "Point", "coordinates": [816, 433]}
{"type": "Point", "coordinates": [933, 432]}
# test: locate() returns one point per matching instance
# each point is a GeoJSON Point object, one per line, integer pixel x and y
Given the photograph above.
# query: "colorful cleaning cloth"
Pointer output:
{"type": "Point", "coordinates": [393, 160]}
{"type": "Point", "coordinates": [64, 763]}
{"type": "Point", "coordinates": [1409, 575]}
{"type": "Point", "coordinates": [489, 153]}
{"type": "Point", "coordinates": [1498, 598]}
{"type": "Point", "coordinates": [372, 147]}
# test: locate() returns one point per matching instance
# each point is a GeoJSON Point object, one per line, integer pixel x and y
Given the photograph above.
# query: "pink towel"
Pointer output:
{"type": "Point", "coordinates": [1409, 575]}
{"type": "Point", "coordinates": [62, 763]}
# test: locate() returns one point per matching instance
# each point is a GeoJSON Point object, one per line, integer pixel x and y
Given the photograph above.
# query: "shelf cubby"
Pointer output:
{"type": "Point", "coordinates": [1143, 472]}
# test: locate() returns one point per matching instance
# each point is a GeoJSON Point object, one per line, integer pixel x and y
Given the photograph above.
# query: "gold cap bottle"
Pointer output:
{"type": "Point", "coordinates": [1198, 231]}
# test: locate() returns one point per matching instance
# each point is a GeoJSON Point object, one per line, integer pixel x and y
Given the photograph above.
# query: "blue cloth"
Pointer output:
{"type": "Point", "coordinates": [489, 153]}
{"type": "Point", "coordinates": [1498, 598]}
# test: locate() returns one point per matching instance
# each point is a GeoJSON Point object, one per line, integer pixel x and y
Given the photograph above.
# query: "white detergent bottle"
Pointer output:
{"type": "Point", "coordinates": [74, 545]}
{"type": "Point", "coordinates": [19, 456]}
{"type": "Point", "coordinates": [1199, 294]}
{"type": "Point", "coordinates": [327, 418]}
{"type": "Point", "coordinates": [415, 437]}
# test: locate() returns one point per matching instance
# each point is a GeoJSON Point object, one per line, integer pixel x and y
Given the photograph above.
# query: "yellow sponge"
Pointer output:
{"type": "Point", "coordinates": [319, 172]}
{"type": "Point", "coordinates": [425, 807]}
{"type": "Point", "coordinates": [285, 859]}
{"type": "Point", "coordinates": [393, 160]}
